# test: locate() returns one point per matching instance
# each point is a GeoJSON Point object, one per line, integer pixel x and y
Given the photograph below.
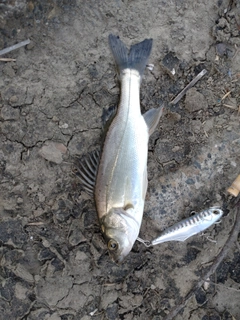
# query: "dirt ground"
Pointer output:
{"type": "Point", "coordinates": [53, 260]}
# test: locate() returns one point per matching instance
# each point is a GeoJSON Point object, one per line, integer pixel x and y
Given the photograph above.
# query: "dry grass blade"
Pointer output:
{"type": "Point", "coordinates": [7, 59]}
{"type": "Point", "coordinates": [226, 95]}
{"type": "Point", "coordinates": [229, 106]}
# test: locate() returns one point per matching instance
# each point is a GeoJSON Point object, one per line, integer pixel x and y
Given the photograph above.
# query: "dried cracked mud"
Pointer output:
{"type": "Point", "coordinates": [53, 260]}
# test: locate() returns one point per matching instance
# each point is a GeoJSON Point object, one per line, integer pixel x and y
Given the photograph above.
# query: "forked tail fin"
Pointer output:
{"type": "Point", "coordinates": [135, 58]}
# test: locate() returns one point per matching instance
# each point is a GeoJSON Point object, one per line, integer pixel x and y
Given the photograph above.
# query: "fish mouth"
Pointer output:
{"type": "Point", "coordinates": [118, 258]}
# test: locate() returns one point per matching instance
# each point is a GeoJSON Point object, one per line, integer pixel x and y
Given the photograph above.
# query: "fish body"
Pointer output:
{"type": "Point", "coordinates": [121, 181]}
{"type": "Point", "coordinates": [188, 227]}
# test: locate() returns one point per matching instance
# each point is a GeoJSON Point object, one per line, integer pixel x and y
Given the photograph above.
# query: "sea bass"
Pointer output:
{"type": "Point", "coordinates": [121, 180]}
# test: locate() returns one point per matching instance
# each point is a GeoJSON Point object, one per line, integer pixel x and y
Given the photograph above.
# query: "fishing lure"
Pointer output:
{"type": "Point", "coordinates": [186, 228]}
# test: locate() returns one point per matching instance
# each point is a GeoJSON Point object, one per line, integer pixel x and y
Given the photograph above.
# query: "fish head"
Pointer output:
{"type": "Point", "coordinates": [120, 231]}
{"type": "Point", "coordinates": [215, 213]}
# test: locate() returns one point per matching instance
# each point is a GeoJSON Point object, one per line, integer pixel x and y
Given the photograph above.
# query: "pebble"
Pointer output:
{"type": "Point", "coordinates": [55, 119]}
{"type": "Point", "coordinates": [19, 200]}
{"type": "Point", "coordinates": [9, 71]}
{"type": "Point", "coordinates": [195, 101]}
{"type": "Point", "coordinates": [170, 64]}
{"type": "Point", "coordinates": [13, 100]}
{"type": "Point", "coordinates": [63, 126]}
{"type": "Point", "coordinates": [53, 152]}
{"type": "Point", "coordinates": [196, 126]}
{"type": "Point", "coordinates": [176, 148]}
{"type": "Point", "coordinates": [173, 116]}
{"type": "Point", "coordinates": [41, 197]}
{"type": "Point", "coordinates": [208, 125]}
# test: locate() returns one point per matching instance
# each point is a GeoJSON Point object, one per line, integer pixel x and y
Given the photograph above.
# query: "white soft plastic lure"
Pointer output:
{"type": "Point", "coordinates": [186, 228]}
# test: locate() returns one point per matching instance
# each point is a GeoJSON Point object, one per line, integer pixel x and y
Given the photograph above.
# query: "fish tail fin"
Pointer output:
{"type": "Point", "coordinates": [136, 58]}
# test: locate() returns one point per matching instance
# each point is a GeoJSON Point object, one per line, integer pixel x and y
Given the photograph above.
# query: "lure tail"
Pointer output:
{"type": "Point", "coordinates": [135, 58]}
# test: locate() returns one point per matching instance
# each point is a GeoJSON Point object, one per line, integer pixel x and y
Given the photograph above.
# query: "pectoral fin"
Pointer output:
{"type": "Point", "coordinates": [152, 117]}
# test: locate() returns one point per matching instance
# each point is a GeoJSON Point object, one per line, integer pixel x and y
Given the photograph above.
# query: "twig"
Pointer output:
{"type": "Point", "coordinates": [231, 107]}
{"type": "Point", "coordinates": [14, 47]}
{"type": "Point", "coordinates": [226, 95]}
{"type": "Point", "coordinates": [37, 223]}
{"type": "Point", "coordinates": [190, 85]}
{"type": "Point", "coordinates": [229, 243]}
{"type": "Point", "coordinates": [7, 59]}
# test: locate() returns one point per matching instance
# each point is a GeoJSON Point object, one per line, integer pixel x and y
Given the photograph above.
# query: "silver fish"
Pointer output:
{"type": "Point", "coordinates": [186, 228]}
{"type": "Point", "coordinates": [121, 181]}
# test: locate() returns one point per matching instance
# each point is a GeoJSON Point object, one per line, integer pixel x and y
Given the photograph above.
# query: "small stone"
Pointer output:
{"type": "Point", "coordinates": [23, 273]}
{"type": "Point", "coordinates": [173, 116]}
{"type": "Point", "coordinates": [218, 197]}
{"type": "Point", "coordinates": [190, 181]}
{"type": "Point", "coordinates": [76, 237]}
{"type": "Point", "coordinates": [170, 64]}
{"type": "Point", "coordinates": [200, 296]}
{"type": "Point", "coordinates": [55, 119]}
{"type": "Point", "coordinates": [196, 126]}
{"type": "Point", "coordinates": [13, 100]}
{"type": "Point", "coordinates": [175, 149]}
{"type": "Point", "coordinates": [221, 49]}
{"type": "Point", "coordinates": [20, 291]}
{"type": "Point", "coordinates": [208, 125]}
{"type": "Point", "coordinates": [81, 256]}
{"type": "Point", "coordinates": [30, 46]}
{"type": "Point", "coordinates": [53, 152]}
{"type": "Point", "coordinates": [63, 126]}
{"type": "Point", "coordinates": [108, 298]}
{"type": "Point", "coordinates": [195, 101]}
{"type": "Point", "coordinates": [19, 200]}
{"type": "Point", "coordinates": [8, 70]}
{"type": "Point", "coordinates": [14, 95]}
{"type": "Point", "coordinates": [41, 197]}
{"type": "Point", "coordinates": [53, 316]}
{"type": "Point", "coordinates": [46, 243]}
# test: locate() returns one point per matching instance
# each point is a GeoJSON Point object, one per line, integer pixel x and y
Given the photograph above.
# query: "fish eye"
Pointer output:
{"type": "Point", "coordinates": [112, 245]}
{"type": "Point", "coordinates": [215, 211]}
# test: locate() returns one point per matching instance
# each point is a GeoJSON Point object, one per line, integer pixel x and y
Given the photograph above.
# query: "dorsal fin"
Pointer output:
{"type": "Point", "coordinates": [86, 170]}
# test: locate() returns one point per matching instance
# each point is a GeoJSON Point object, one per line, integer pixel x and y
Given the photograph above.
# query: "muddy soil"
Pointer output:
{"type": "Point", "coordinates": [53, 260]}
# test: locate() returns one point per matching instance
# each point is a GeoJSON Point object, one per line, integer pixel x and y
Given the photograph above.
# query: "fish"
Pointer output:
{"type": "Point", "coordinates": [186, 228]}
{"type": "Point", "coordinates": [119, 179]}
